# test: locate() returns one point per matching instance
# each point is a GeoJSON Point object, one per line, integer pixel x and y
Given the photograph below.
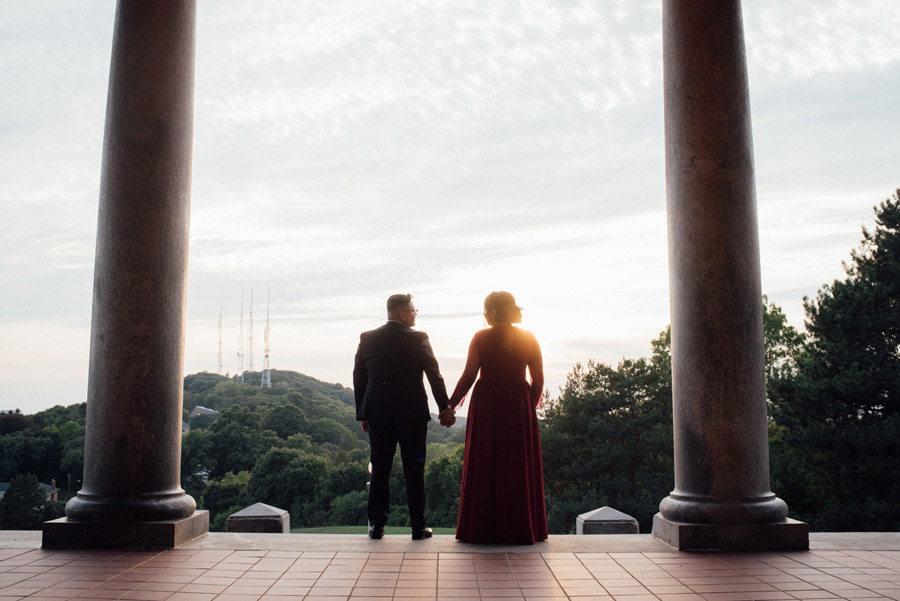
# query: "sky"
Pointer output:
{"type": "Point", "coordinates": [345, 151]}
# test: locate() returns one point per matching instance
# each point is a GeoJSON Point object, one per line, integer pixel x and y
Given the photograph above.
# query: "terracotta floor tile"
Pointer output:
{"type": "Point", "coordinates": [81, 584]}
{"type": "Point", "coordinates": [101, 594]}
{"type": "Point", "coordinates": [732, 596]}
{"type": "Point", "coordinates": [173, 578]}
{"type": "Point", "coordinates": [813, 594]}
{"type": "Point", "coordinates": [619, 591]}
{"type": "Point", "coordinates": [532, 569]}
{"type": "Point", "coordinates": [539, 593]}
{"type": "Point", "coordinates": [334, 580]}
{"type": "Point", "coordinates": [60, 593]}
{"type": "Point", "coordinates": [237, 597]}
{"type": "Point", "coordinates": [213, 580]}
{"type": "Point", "coordinates": [581, 591]}
{"type": "Point", "coordinates": [532, 580]}
{"type": "Point", "coordinates": [415, 592]}
{"type": "Point", "coordinates": [290, 591]}
{"type": "Point", "coordinates": [381, 581]}
{"type": "Point", "coordinates": [620, 582]}
{"type": "Point", "coordinates": [501, 593]}
{"type": "Point", "coordinates": [668, 589]}
{"type": "Point", "coordinates": [743, 587]}
{"type": "Point", "coordinates": [244, 589]}
{"type": "Point", "coordinates": [535, 577]}
{"type": "Point", "coordinates": [191, 597]}
{"type": "Point", "coordinates": [417, 581]}
{"type": "Point", "coordinates": [645, 597]}
{"type": "Point", "coordinates": [454, 583]}
{"type": "Point", "coordinates": [170, 587]}
{"type": "Point", "coordinates": [275, 597]}
{"type": "Point", "coordinates": [496, 577]}
{"type": "Point", "coordinates": [769, 596]}
{"type": "Point", "coordinates": [704, 589]}
{"type": "Point", "coordinates": [497, 584]}
{"type": "Point", "coordinates": [118, 585]}
{"type": "Point", "coordinates": [462, 591]}
{"type": "Point", "coordinates": [569, 574]}
{"type": "Point", "coordinates": [657, 581]}
{"type": "Point", "coordinates": [373, 591]}
{"type": "Point", "coordinates": [144, 595]}
{"type": "Point", "coordinates": [679, 597]}
{"type": "Point", "coordinates": [203, 588]}
{"type": "Point", "coordinates": [331, 591]}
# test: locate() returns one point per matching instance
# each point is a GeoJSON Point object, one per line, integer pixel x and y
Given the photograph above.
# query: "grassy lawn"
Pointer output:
{"type": "Point", "coordinates": [363, 530]}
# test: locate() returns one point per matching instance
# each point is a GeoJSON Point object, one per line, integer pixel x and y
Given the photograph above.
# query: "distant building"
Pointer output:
{"type": "Point", "coordinates": [198, 410]}
{"type": "Point", "coordinates": [185, 428]}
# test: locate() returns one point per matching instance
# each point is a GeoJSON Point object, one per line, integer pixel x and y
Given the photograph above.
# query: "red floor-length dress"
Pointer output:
{"type": "Point", "coordinates": [502, 493]}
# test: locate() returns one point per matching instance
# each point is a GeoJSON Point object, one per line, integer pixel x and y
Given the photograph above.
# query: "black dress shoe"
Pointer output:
{"type": "Point", "coordinates": [423, 533]}
{"type": "Point", "coordinates": [376, 532]}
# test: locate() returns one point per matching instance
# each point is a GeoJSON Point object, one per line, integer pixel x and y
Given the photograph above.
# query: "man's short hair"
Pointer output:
{"type": "Point", "coordinates": [398, 302]}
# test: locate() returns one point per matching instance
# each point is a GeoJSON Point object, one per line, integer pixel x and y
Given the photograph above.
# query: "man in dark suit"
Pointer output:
{"type": "Point", "coordinates": [392, 405]}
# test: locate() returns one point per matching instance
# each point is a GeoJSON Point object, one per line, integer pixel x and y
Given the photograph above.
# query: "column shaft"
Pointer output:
{"type": "Point", "coordinates": [718, 370]}
{"type": "Point", "coordinates": [133, 433]}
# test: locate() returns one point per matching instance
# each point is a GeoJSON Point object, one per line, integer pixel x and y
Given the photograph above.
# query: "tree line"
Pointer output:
{"type": "Point", "coordinates": [834, 424]}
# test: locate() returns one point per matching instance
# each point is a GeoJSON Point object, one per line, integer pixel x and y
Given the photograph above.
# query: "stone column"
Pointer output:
{"type": "Point", "coordinates": [131, 493]}
{"type": "Point", "coordinates": [721, 497]}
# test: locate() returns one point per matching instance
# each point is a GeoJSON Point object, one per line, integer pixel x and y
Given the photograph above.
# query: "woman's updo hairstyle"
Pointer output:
{"type": "Point", "coordinates": [503, 307]}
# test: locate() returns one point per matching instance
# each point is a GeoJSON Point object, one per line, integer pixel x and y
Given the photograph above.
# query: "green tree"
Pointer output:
{"type": "Point", "coordinates": [350, 509]}
{"type": "Point", "coordinates": [443, 476]}
{"type": "Point", "coordinates": [221, 496]}
{"type": "Point", "coordinates": [285, 420]}
{"type": "Point", "coordinates": [26, 451]}
{"type": "Point", "coordinates": [237, 441]}
{"type": "Point", "coordinates": [345, 478]}
{"type": "Point", "coordinates": [22, 507]}
{"type": "Point", "coordinates": [195, 461]}
{"type": "Point", "coordinates": [783, 343]}
{"type": "Point", "coordinates": [15, 421]}
{"type": "Point", "coordinates": [837, 420]}
{"type": "Point", "coordinates": [607, 440]}
{"type": "Point", "coordinates": [202, 421]}
{"type": "Point", "coordinates": [286, 478]}
{"type": "Point", "coordinates": [326, 430]}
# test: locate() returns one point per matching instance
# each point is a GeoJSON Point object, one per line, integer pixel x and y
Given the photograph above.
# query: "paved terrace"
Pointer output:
{"type": "Point", "coordinates": [309, 567]}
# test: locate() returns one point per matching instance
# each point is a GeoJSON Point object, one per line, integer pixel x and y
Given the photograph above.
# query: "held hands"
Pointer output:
{"type": "Point", "coordinates": [448, 416]}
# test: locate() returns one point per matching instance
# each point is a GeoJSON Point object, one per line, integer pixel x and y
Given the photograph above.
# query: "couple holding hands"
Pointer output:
{"type": "Point", "coordinates": [502, 489]}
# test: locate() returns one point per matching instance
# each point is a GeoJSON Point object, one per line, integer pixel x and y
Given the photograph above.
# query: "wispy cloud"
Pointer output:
{"type": "Point", "coordinates": [346, 150]}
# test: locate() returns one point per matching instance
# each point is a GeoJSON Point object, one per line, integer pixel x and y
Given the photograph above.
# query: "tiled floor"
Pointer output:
{"type": "Point", "coordinates": [227, 575]}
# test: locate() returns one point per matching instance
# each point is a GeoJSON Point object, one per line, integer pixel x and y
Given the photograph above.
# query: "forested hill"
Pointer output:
{"type": "Point", "coordinates": [316, 398]}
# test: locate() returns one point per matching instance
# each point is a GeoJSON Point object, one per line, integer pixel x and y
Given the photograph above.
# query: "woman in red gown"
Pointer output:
{"type": "Point", "coordinates": [502, 493]}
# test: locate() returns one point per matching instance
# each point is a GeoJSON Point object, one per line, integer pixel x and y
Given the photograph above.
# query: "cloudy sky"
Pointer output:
{"type": "Point", "coordinates": [344, 151]}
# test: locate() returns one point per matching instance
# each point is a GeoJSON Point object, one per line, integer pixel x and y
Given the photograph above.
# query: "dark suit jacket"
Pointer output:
{"type": "Point", "coordinates": [387, 375]}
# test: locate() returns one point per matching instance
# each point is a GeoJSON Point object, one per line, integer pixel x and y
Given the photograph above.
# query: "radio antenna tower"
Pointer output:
{"type": "Point", "coordinates": [220, 336]}
{"type": "Point", "coordinates": [240, 353]}
{"type": "Point", "coordinates": [250, 337]}
{"type": "Point", "coordinates": [266, 380]}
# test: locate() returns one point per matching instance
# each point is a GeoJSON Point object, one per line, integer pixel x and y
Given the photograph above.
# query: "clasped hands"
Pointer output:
{"type": "Point", "coordinates": [448, 416]}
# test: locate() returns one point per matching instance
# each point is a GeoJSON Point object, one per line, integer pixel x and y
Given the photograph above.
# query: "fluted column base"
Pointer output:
{"type": "Point", "coordinates": [161, 534]}
{"type": "Point", "coordinates": [784, 535]}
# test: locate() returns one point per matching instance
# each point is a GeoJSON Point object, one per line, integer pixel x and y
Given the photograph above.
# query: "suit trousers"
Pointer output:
{"type": "Point", "coordinates": [383, 439]}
